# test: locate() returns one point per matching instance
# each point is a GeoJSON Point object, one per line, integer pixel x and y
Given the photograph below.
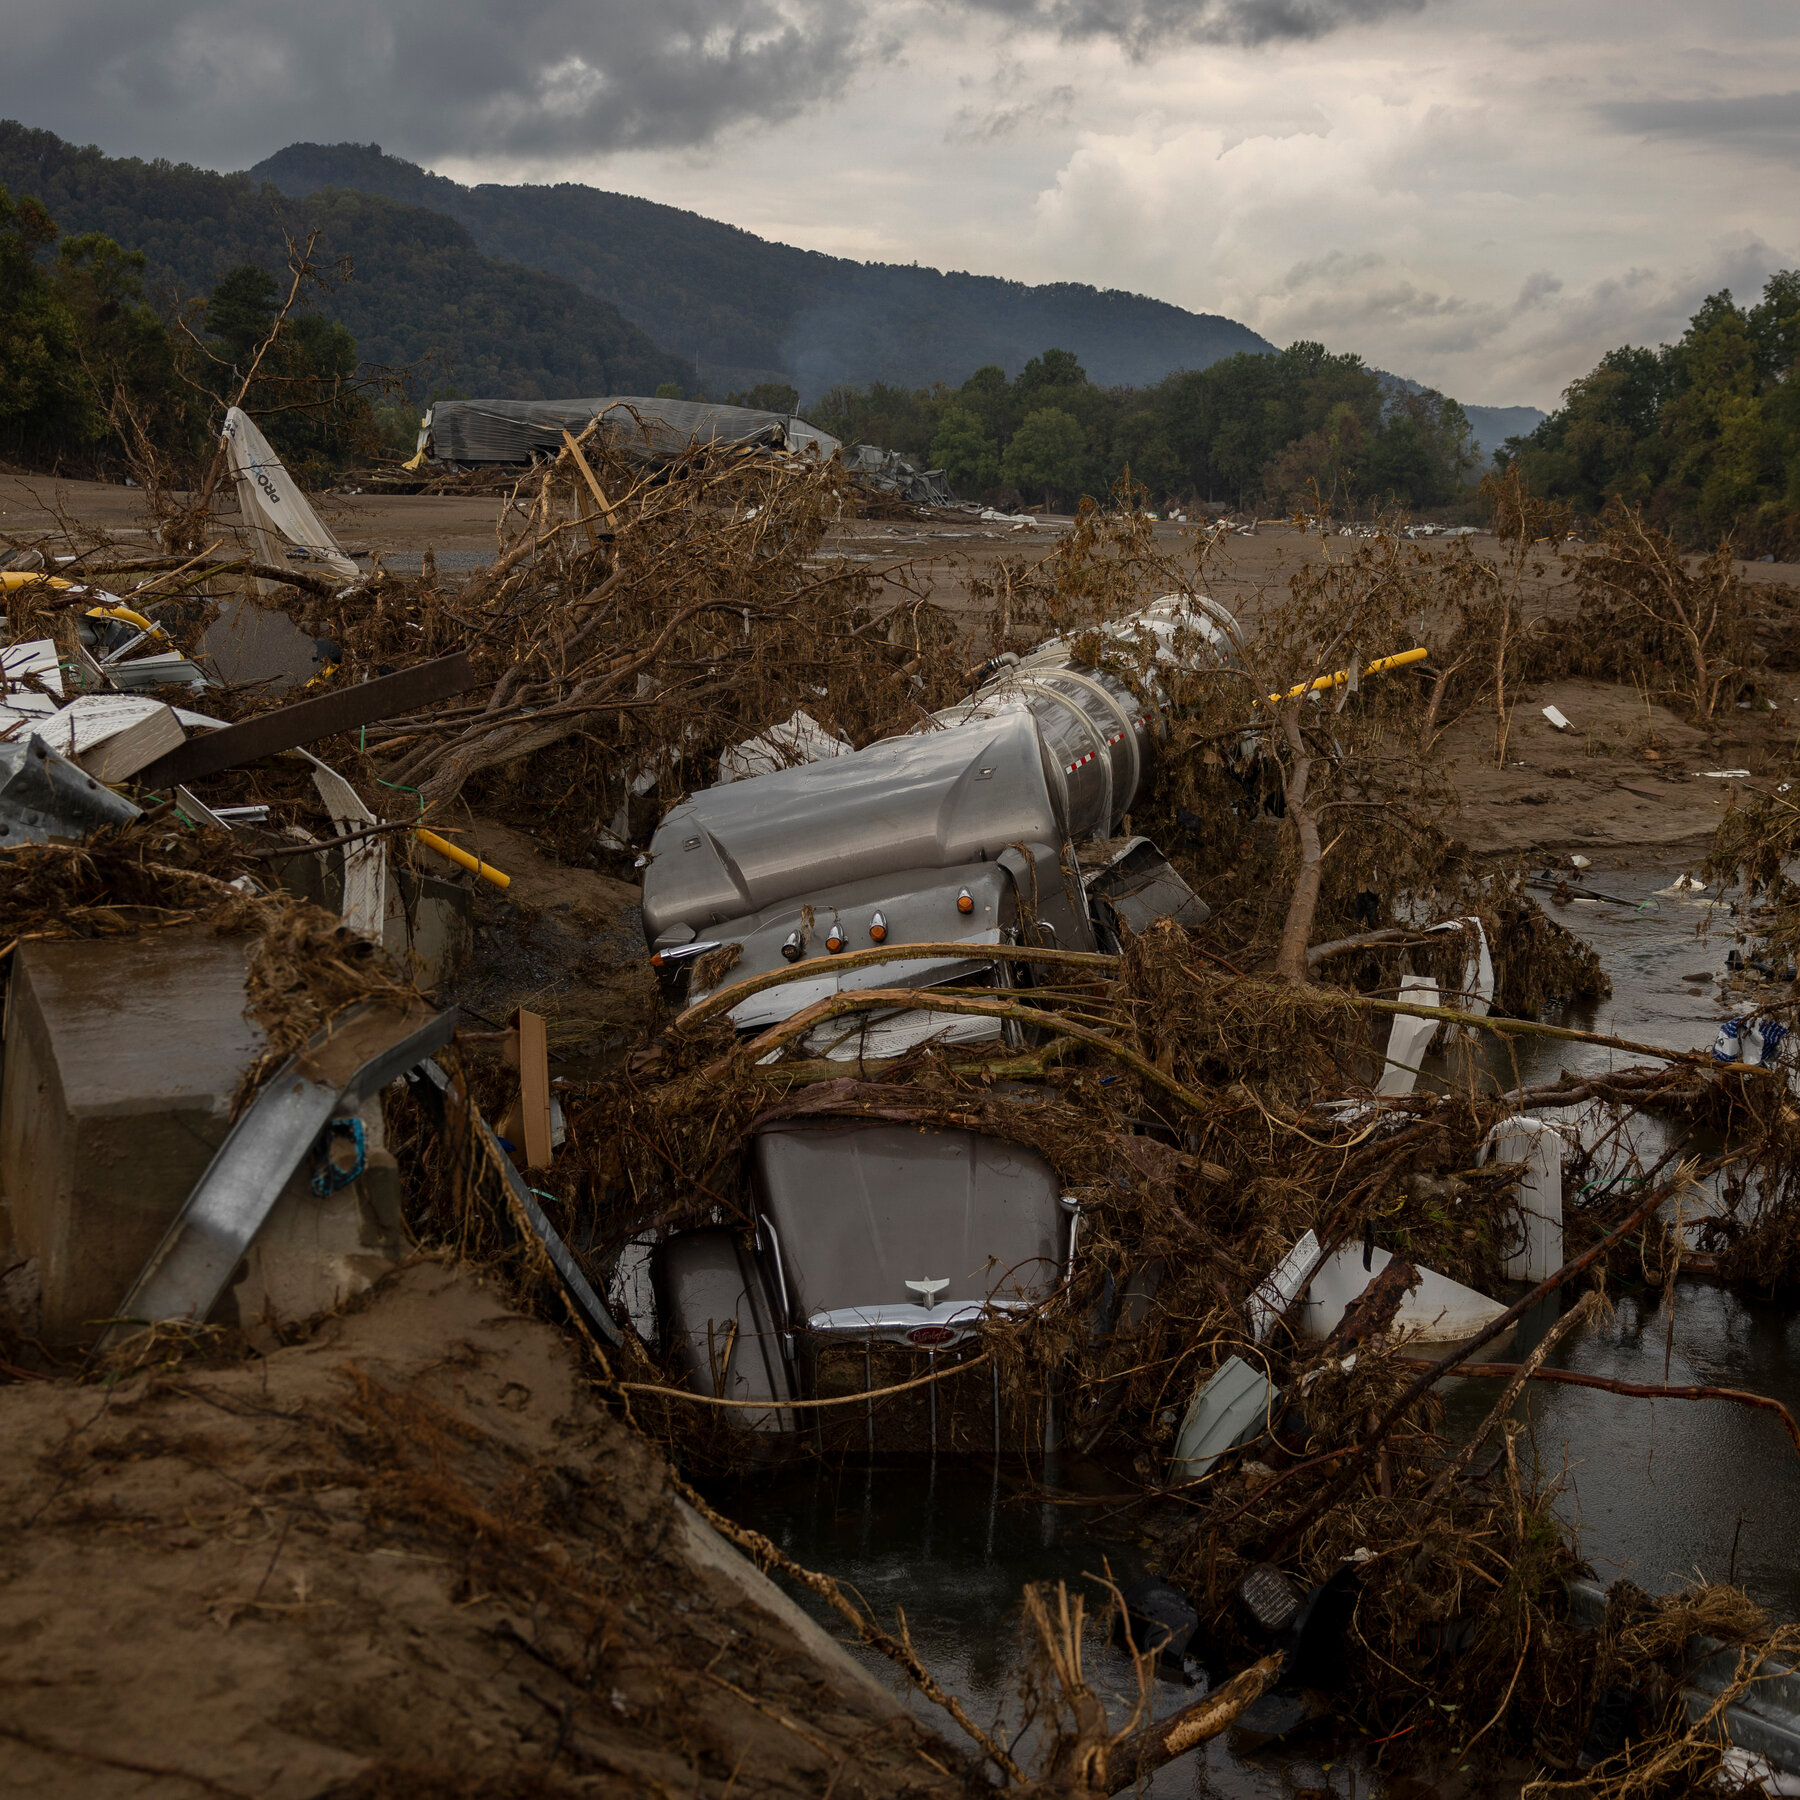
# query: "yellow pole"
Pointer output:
{"type": "Point", "coordinates": [462, 858]}
{"type": "Point", "coordinates": [1379, 667]}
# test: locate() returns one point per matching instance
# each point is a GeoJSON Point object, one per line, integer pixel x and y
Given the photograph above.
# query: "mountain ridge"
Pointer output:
{"type": "Point", "coordinates": [424, 297]}
{"type": "Point", "coordinates": [754, 310]}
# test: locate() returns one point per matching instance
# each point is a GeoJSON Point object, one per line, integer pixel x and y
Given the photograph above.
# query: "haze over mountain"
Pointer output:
{"type": "Point", "coordinates": [741, 309]}
{"type": "Point", "coordinates": [545, 291]}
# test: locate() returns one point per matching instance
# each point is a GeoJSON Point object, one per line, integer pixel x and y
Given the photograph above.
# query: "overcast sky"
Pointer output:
{"type": "Point", "coordinates": [1480, 196]}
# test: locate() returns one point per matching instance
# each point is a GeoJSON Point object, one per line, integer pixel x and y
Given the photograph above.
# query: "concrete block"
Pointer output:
{"type": "Point", "coordinates": [122, 1058]}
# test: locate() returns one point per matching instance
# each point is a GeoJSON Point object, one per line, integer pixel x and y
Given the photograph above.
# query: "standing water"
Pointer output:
{"type": "Point", "coordinates": [1664, 1492]}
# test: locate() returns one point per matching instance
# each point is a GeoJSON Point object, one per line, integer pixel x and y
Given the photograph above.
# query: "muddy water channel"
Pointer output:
{"type": "Point", "coordinates": [1663, 1492]}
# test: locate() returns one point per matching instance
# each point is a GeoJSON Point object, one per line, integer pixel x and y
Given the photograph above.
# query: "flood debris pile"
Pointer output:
{"type": "Point", "coordinates": [1021, 1058]}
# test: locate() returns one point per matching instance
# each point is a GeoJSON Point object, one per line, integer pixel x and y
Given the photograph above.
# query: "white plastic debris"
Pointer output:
{"type": "Point", "coordinates": [35, 657]}
{"type": "Point", "coordinates": [1437, 1311]}
{"type": "Point", "coordinates": [1408, 1038]}
{"type": "Point", "coordinates": [365, 862]}
{"type": "Point", "coordinates": [1278, 1290]}
{"type": "Point", "coordinates": [281, 521]}
{"type": "Point", "coordinates": [1540, 1147]}
{"type": "Point", "coordinates": [1556, 718]}
{"type": "Point", "coordinates": [1229, 1408]}
{"type": "Point", "coordinates": [1741, 1769]}
{"type": "Point", "coordinates": [1477, 994]}
{"type": "Point", "coordinates": [799, 738]}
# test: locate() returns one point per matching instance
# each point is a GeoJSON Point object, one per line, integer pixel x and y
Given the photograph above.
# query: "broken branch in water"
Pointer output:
{"type": "Point", "coordinates": [1633, 1390]}
{"type": "Point", "coordinates": [1146, 1750]}
{"type": "Point", "coordinates": [766, 1555]}
{"type": "Point", "coordinates": [1523, 1372]}
{"type": "Point", "coordinates": [1433, 1373]}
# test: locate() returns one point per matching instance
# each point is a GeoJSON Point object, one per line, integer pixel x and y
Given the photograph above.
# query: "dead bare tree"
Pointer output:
{"type": "Point", "coordinates": [1687, 613]}
{"type": "Point", "coordinates": [1325, 731]}
{"type": "Point", "coordinates": [1528, 527]}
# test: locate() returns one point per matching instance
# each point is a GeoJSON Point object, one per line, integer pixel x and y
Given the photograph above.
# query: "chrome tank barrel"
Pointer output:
{"type": "Point", "coordinates": [1097, 735]}
{"type": "Point", "coordinates": [1100, 731]}
{"type": "Point", "coordinates": [1047, 749]}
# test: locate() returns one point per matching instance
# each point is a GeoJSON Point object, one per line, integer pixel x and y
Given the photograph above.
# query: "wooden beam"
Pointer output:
{"type": "Point", "coordinates": [534, 1087]}
{"type": "Point", "coordinates": [343, 709]}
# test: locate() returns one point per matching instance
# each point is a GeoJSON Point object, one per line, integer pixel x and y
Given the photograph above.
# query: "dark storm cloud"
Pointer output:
{"type": "Point", "coordinates": [1764, 124]}
{"type": "Point", "coordinates": [1141, 26]}
{"type": "Point", "coordinates": [216, 82]}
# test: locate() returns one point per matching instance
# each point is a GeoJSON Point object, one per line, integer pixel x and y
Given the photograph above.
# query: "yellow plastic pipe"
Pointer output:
{"type": "Point", "coordinates": [462, 858]}
{"type": "Point", "coordinates": [126, 616]}
{"type": "Point", "coordinates": [17, 578]}
{"type": "Point", "coordinates": [1379, 667]}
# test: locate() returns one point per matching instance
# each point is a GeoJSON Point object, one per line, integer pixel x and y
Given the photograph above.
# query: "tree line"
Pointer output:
{"type": "Point", "coordinates": [95, 379]}
{"type": "Point", "coordinates": [1253, 431]}
{"type": "Point", "coordinates": [1702, 436]}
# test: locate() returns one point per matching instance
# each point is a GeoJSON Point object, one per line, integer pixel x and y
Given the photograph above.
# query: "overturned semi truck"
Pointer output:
{"type": "Point", "coordinates": [992, 824]}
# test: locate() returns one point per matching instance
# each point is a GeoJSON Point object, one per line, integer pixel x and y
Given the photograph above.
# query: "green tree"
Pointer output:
{"type": "Point", "coordinates": [240, 313]}
{"type": "Point", "coordinates": [129, 362]}
{"type": "Point", "coordinates": [990, 397]}
{"type": "Point", "coordinates": [964, 450]}
{"type": "Point", "coordinates": [1046, 454]}
{"type": "Point", "coordinates": [45, 409]}
{"type": "Point", "coordinates": [306, 392]}
{"type": "Point", "coordinates": [1703, 434]}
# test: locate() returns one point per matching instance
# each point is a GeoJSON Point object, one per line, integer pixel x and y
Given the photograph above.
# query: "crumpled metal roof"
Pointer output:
{"type": "Point", "coordinates": [517, 431]}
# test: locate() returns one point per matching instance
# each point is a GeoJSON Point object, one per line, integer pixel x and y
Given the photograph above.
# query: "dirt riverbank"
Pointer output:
{"type": "Point", "coordinates": [408, 1554]}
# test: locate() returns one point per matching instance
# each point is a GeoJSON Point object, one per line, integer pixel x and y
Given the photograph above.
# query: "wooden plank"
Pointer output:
{"type": "Point", "coordinates": [120, 754]}
{"type": "Point", "coordinates": [534, 1087]}
{"type": "Point", "coordinates": [307, 721]}
{"type": "Point", "coordinates": [587, 475]}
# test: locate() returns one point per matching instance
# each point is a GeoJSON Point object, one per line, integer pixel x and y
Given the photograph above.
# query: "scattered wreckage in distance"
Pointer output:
{"type": "Point", "coordinates": [471, 434]}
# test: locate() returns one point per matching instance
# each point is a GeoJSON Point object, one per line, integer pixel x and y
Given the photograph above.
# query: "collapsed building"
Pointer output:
{"type": "Point", "coordinates": [471, 434]}
{"type": "Point", "coordinates": [462, 434]}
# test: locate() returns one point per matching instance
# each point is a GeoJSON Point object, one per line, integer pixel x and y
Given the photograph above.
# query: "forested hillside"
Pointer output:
{"type": "Point", "coordinates": [1253, 431]}
{"type": "Point", "coordinates": [741, 310]}
{"type": "Point", "coordinates": [420, 294]}
{"type": "Point", "coordinates": [1704, 434]}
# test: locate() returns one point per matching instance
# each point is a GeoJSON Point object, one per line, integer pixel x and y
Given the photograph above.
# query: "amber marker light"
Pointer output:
{"type": "Point", "coordinates": [878, 929]}
{"type": "Point", "coordinates": [965, 902]}
{"type": "Point", "coordinates": [834, 938]}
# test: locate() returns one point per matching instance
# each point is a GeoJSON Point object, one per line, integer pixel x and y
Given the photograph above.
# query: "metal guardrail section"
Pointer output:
{"type": "Point", "coordinates": [343, 1066]}
{"type": "Point", "coordinates": [1765, 1721]}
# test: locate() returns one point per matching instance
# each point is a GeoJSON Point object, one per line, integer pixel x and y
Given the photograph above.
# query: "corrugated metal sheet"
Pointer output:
{"type": "Point", "coordinates": [516, 431]}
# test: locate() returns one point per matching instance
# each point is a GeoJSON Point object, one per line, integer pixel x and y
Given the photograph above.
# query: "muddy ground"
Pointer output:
{"type": "Point", "coordinates": [409, 1554]}
{"type": "Point", "coordinates": [938, 551]}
